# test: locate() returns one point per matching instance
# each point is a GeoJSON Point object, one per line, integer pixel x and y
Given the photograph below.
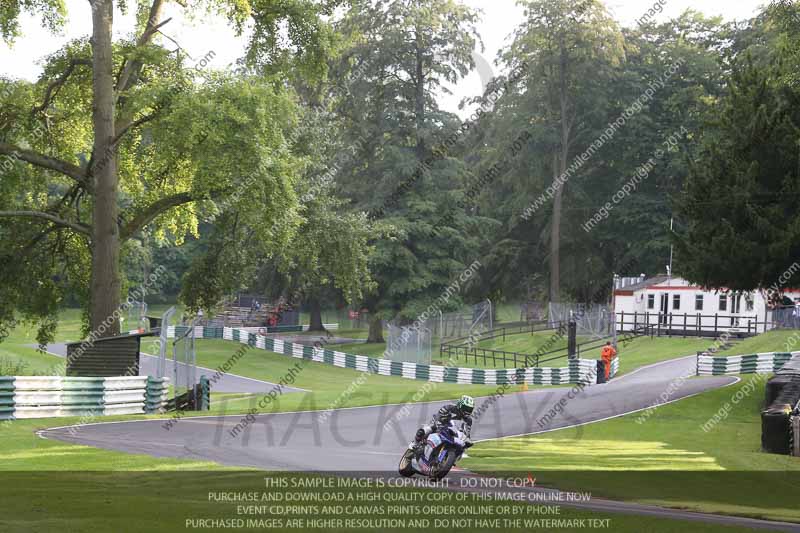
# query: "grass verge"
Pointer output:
{"type": "Point", "coordinates": [665, 458]}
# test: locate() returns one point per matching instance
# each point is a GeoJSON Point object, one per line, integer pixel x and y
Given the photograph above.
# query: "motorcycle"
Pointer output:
{"type": "Point", "coordinates": [443, 449]}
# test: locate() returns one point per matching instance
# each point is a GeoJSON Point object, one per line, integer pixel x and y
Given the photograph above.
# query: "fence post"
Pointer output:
{"type": "Point", "coordinates": [716, 317]}
{"type": "Point", "coordinates": [572, 340]}
{"type": "Point", "coordinates": [635, 320]}
{"type": "Point", "coordinates": [622, 321]}
{"type": "Point", "coordinates": [699, 320]}
{"type": "Point", "coordinates": [685, 314]}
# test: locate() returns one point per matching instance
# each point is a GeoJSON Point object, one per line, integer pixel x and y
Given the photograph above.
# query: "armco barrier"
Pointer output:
{"type": "Point", "coordinates": [46, 396]}
{"type": "Point", "coordinates": [760, 363]}
{"type": "Point", "coordinates": [579, 370]}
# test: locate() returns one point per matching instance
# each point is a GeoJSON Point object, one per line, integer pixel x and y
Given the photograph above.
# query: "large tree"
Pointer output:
{"type": "Point", "coordinates": [399, 56]}
{"type": "Point", "coordinates": [558, 94]}
{"type": "Point", "coordinates": [739, 207]}
{"type": "Point", "coordinates": [568, 49]}
{"type": "Point", "coordinates": [120, 136]}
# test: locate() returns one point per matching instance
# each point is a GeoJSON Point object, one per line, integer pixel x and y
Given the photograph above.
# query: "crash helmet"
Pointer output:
{"type": "Point", "coordinates": [466, 404]}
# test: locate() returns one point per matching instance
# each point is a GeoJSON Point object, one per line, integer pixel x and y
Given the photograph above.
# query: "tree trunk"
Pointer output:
{"type": "Point", "coordinates": [105, 281]}
{"type": "Point", "coordinates": [375, 330]}
{"type": "Point", "coordinates": [419, 95]}
{"type": "Point", "coordinates": [559, 169]}
{"type": "Point", "coordinates": [316, 315]}
{"type": "Point", "coordinates": [555, 237]}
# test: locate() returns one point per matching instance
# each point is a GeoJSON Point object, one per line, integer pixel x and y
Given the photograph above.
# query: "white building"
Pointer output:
{"type": "Point", "coordinates": [672, 305]}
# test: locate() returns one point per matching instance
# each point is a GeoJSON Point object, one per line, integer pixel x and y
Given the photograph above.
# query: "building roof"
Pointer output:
{"type": "Point", "coordinates": [655, 280]}
{"type": "Point", "coordinates": [152, 333]}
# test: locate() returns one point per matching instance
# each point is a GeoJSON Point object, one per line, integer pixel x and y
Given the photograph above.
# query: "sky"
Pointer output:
{"type": "Point", "coordinates": [199, 37]}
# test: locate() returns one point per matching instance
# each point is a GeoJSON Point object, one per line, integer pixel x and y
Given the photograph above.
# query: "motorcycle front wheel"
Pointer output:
{"type": "Point", "coordinates": [445, 466]}
{"type": "Point", "coordinates": [405, 468]}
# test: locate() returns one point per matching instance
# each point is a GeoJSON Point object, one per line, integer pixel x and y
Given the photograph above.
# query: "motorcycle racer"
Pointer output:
{"type": "Point", "coordinates": [461, 410]}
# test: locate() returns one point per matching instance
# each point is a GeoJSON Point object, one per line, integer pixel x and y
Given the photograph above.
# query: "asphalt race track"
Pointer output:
{"type": "Point", "coordinates": [148, 366]}
{"type": "Point", "coordinates": [359, 439]}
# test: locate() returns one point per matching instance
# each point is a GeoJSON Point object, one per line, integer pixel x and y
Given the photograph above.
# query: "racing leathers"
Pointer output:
{"type": "Point", "coordinates": [442, 418]}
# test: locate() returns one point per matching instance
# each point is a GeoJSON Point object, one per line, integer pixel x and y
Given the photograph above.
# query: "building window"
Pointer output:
{"type": "Point", "coordinates": [651, 301]}
{"type": "Point", "coordinates": [676, 301]}
{"type": "Point", "coordinates": [723, 302]}
{"type": "Point", "coordinates": [698, 302]}
{"type": "Point", "coordinates": [748, 302]}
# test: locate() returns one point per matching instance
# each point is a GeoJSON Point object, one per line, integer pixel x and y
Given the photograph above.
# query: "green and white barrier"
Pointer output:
{"type": "Point", "coordinates": [580, 370]}
{"type": "Point", "coordinates": [211, 332]}
{"type": "Point", "coordinates": [760, 363]}
{"type": "Point", "coordinates": [52, 396]}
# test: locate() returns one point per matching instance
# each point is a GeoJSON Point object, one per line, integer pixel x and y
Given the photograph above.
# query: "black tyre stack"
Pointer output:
{"type": "Point", "coordinates": [782, 399]}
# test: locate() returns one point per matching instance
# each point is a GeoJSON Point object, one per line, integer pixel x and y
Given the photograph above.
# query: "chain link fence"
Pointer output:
{"type": "Point", "coordinates": [592, 320]}
{"type": "Point", "coordinates": [408, 344]}
{"type": "Point", "coordinates": [479, 317]}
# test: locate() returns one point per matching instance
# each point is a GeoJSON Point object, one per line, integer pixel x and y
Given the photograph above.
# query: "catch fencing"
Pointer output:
{"type": "Point", "coordinates": [409, 344]}
{"type": "Point", "coordinates": [576, 371]}
{"type": "Point", "coordinates": [592, 320]}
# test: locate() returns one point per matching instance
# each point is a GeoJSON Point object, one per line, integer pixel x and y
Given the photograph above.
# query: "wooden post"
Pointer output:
{"type": "Point", "coordinates": [622, 321]}
{"type": "Point", "coordinates": [635, 320]}
{"type": "Point", "coordinates": [685, 314]}
{"type": "Point", "coordinates": [716, 317]}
